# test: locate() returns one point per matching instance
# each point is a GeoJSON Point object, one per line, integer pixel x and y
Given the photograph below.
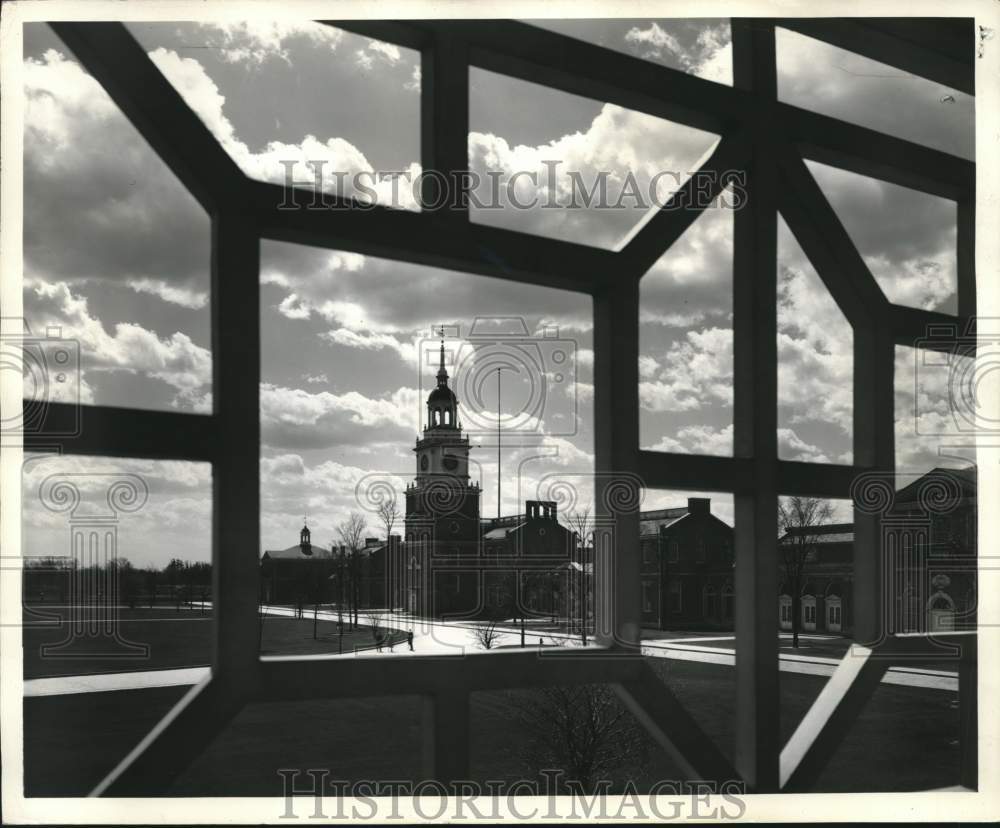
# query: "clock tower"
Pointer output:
{"type": "Point", "coordinates": [442, 507]}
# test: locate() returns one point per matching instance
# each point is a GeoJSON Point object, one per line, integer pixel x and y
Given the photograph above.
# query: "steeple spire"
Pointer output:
{"type": "Point", "coordinates": [442, 375]}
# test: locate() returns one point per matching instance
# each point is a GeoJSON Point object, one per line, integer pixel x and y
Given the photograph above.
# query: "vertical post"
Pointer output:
{"type": "Point", "coordinates": [444, 123]}
{"type": "Point", "coordinates": [499, 475]}
{"type": "Point", "coordinates": [874, 439]}
{"type": "Point", "coordinates": [446, 736]}
{"type": "Point", "coordinates": [755, 421]}
{"type": "Point", "coordinates": [235, 479]}
{"type": "Point", "coordinates": [965, 254]}
{"type": "Point", "coordinates": [968, 712]}
{"type": "Point", "coordinates": [616, 437]}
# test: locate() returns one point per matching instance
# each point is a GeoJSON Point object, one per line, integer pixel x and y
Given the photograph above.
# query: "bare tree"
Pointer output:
{"type": "Point", "coordinates": [798, 519]}
{"type": "Point", "coordinates": [388, 515]}
{"type": "Point", "coordinates": [351, 533]}
{"type": "Point", "coordinates": [582, 524]}
{"type": "Point", "coordinates": [487, 634]}
{"type": "Point", "coordinates": [378, 633]}
{"type": "Point", "coordinates": [582, 730]}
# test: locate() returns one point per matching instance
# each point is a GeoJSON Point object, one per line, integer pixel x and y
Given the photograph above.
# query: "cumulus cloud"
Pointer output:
{"type": "Point", "coordinates": [175, 360]}
{"type": "Point", "coordinates": [708, 56]}
{"type": "Point", "coordinates": [907, 238]}
{"type": "Point", "coordinates": [626, 154]}
{"type": "Point", "coordinates": [294, 417]}
{"type": "Point", "coordinates": [99, 204]}
{"type": "Point", "coordinates": [174, 522]}
{"type": "Point", "coordinates": [346, 170]}
{"type": "Point", "coordinates": [177, 295]}
{"type": "Point", "coordinates": [377, 50]}
{"type": "Point", "coordinates": [696, 372]}
{"type": "Point", "coordinates": [255, 42]}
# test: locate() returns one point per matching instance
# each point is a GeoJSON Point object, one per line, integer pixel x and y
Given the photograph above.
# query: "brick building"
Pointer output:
{"type": "Point", "coordinates": [686, 568]}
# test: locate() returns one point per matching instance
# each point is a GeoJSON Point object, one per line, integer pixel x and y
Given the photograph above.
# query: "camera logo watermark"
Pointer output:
{"type": "Point", "coordinates": [952, 365]}
{"type": "Point", "coordinates": [501, 363]}
{"type": "Point", "coordinates": [49, 365]}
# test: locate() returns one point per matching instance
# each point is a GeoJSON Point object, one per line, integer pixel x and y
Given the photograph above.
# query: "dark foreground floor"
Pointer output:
{"type": "Point", "coordinates": [905, 740]}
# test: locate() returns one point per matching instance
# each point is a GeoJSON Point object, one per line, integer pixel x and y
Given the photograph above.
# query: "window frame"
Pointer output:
{"type": "Point", "coordinates": [764, 137]}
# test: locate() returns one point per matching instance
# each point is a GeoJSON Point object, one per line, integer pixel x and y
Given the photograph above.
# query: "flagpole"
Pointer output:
{"type": "Point", "coordinates": [498, 447]}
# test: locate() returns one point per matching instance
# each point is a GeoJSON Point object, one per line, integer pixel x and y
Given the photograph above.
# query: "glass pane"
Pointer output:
{"type": "Point", "coordinates": [907, 238]}
{"type": "Point", "coordinates": [568, 167]}
{"type": "Point", "coordinates": [69, 745]}
{"type": "Point", "coordinates": [835, 82]}
{"type": "Point", "coordinates": [116, 251]}
{"type": "Point", "coordinates": [698, 47]}
{"type": "Point", "coordinates": [300, 100]}
{"type": "Point", "coordinates": [815, 363]}
{"type": "Point", "coordinates": [908, 758]}
{"type": "Point", "coordinates": [116, 548]}
{"type": "Point", "coordinates": [379, 418]}
{"type": "Point", "coordinates": [938, 408]}
{"type": "Point", "coordinates": [270, 748]}
{"type": "Point", "coordinates": [562, 739]}
{"type": "Point", "coordinates": [686, 341]}
{"type": "Point", "coordinates": [688, 602]}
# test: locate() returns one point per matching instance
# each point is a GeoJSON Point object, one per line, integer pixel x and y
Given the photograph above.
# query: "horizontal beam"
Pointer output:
{"type": "Point", "coordinates": [565, 63]}
{"type": "Point", "coordinates": [816, 479]}
{"type": "Point", "coordinates": [561, 62]}
{"type": "Point", "coordinates": [875, 154]}
{"type": "Point", "coordinates": [898, 44]}
{"type": "Point", "coordinates": [291, 677]}
{"type": "Point", "coordinates": [931, 330]}
{"type": "Point", "coordinates": [433, 240]}
{"type": "Point", "coordinates": [104, 431]}
{"type": "Point", "coordinates": [117, 61]}
{"type": "Point", "coordinates": [668, 470]}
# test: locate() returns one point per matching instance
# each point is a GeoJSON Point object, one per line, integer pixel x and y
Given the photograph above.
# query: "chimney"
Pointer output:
{"type": "Point", "coordinates": [699, 505]}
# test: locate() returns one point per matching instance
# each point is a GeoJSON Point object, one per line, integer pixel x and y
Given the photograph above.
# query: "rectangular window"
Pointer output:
{"type": "Point", "coordinates": [675, 596]}
{"type": "Point", "coordinates": [647, 596]}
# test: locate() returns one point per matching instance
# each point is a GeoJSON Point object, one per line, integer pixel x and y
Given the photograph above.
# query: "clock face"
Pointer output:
{"type": "Point", "coordinates": [424, 462]}
{"type": "Point", "coordinates": [450, 463]}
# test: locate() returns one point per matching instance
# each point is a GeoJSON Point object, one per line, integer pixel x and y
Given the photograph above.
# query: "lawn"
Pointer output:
{"type": "Point", "coordinates": [176, 638]}
{"type": "Point", "coordinates": [906, 739]}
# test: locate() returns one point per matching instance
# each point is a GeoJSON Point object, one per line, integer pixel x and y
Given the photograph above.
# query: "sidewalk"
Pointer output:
{"type": "Point", "coordinates": [455, 637]}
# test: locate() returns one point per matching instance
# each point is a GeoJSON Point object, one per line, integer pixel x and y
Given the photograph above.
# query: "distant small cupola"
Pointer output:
{"type": "Point", "coordinates": [305, 538]}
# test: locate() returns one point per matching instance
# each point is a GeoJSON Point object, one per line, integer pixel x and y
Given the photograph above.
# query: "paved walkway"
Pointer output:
{"type": "Point", "coordinates": [455, 637]}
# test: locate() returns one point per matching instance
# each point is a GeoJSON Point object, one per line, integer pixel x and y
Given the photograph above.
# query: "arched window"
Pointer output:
{"type": "Point", "coordinates": [727, 601]}
{"type": "Point", "coordinates": [809, 612]}
{"type": "Point", "coordinates": [785, 612]}
{"type": "Point", "coordinates": [834, 617]}
{"type": "Point", "coordinates": [709, 601]}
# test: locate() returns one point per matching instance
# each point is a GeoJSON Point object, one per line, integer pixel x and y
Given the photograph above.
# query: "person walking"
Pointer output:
{"type": "Point", "coordinates": [409, 639]}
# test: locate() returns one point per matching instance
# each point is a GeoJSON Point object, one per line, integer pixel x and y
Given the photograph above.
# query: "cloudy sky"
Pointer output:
{"type": "Point", "coordinates": [117, 255]}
